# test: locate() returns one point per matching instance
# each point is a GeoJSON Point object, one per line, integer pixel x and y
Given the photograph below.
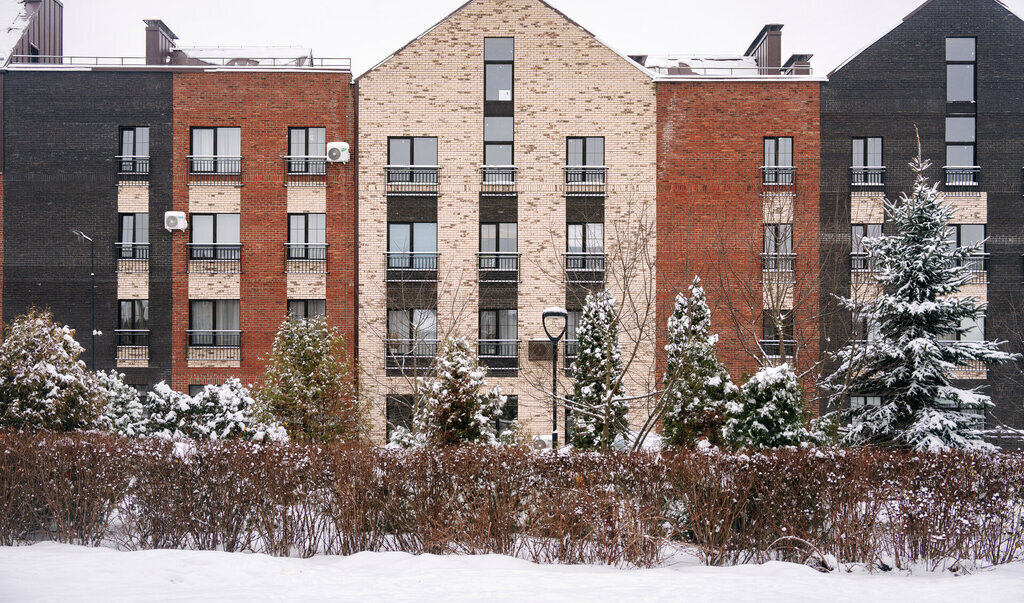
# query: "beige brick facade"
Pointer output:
{"type": "Point", "coordinates": [132, 199]}
{"type": "Point", "coordinates": [214, 286]}
{"type": "Point", "coordinates": [219, 199]}
{"type": "Point", "coordinates": [133, 285]}
{"type": "Point", "coordinates": [566, 84]}
{"type": "Point", "coordinates": [307, 199]}
{"type": "Point", "coordinates": [867, 209]}
{"type": "Point", "coordinates": [968, 208]}
{"type": "Point", "coordinates": [307, 286]}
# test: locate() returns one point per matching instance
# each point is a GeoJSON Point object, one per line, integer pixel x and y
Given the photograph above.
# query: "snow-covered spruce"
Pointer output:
{"type": "Point", "coordinates": [909, 364]}
{"type": "Point", "coordinates": [310, 386]}
{"type": "Point", "coordinates": [769, 413]}
{"type": "Point", "coordinates": [43, 384]}
{"type": "Point", "coordinates": [453, 407]}
{"type": "Point", "coordinates": [598, 410]}
{"type": "Point", "coordinates": [697, 386]}
{"type": "Point", "coordinates": [124, 413]}
{"type": "Point", "coordinates": [219, 412]}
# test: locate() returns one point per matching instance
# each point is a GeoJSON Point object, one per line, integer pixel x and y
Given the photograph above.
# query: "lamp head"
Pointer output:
{"type": "Point", "coordinates": [555, 321]}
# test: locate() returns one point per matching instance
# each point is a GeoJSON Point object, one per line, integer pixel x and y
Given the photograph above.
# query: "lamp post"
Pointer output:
{"type": "Point", "coordinates": [551, 318]}
{"type": "Point", "coordinates": [92, 277]}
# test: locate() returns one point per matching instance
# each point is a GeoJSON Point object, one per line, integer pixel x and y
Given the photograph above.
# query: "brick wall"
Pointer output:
{"type": "Point", "coordinates": [264, 105]}
{"type": "Point", "coordinates": [710, 212]}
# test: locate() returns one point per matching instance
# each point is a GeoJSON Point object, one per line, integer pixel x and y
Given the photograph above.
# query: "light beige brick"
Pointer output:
{"type": "Point", "coordinates": [968, 208]}
{"type": "Point", "coordinates": [307, 286]}
{"type": "Point", "coordinates": [132, 199]}
{"type": "Point", "coordinates": [867, 209]}
{"type": "Point", "coordinates": [214, 286]}
{"type": "Point", "coordinates": [307, 200]}
{"type": "Point", "coordinates": [133, 285]}
{"type": "Point", "coordinates": [217, 199]}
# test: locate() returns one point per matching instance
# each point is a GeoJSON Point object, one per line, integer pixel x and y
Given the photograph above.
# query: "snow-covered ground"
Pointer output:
{"type": "Point", "coordinates": [55, 572]}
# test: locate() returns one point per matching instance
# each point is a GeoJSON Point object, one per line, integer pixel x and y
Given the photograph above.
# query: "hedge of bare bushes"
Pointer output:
{"type": "Point", "coordinates": [879, 509]}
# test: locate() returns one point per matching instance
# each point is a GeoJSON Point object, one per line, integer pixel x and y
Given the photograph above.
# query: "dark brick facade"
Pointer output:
{"type": "Point", "coordinates": [61, 137]}
{"type": "Point", "coordinates": [898, 83]}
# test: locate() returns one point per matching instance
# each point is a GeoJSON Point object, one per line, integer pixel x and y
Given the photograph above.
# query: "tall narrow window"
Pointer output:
{"type": "Point", "coordinates": [133, 322]}
{"type": "Point", "coordinates": [307, 236]}
{"type": "Point", "coordinates": [961, 58]}
{"type": "Point", "coordinates": [858, 253]}
{"type": "Point", "coordinates": [134, 243]}
{"type": "Point", "coordinates": [134, 157]}
{"type": "Point", "coordinates": [498, 142]}
{"type": "Point", "coordinates": [971, 236]}
{"type": "Point", "coordinates": [214, 323]}
{"type": "Point", "coordinates": [868, 165]}
{"type": "Point", "coordinates": [499, 246]}
{"type": "Point", "coordinates": [307, 150]}
{"type": "Point", "coordinates": [572, 325]}
{"type": "Point", "coordinates": [499, 54]}
{"type": "Point", "coordinates": [778, 247]}
{"type": "Point", "coordinates": [778, 160]}
{"type": "Point", "coordinates": [584, 158]}
{"type": "Point", "coordinates": [215, 237]}
{"type": "Point", "coordinates": [961, 162]}
{"type": "Point", "coordinates": [499, 332]}
{"type": "Point", "coordinates": [412, 332]}
{"type": "Point", "coordinates": [412, 246]}
{"type": "Point", "coordinates": [216, 150]}
{"type": "Point", "coordinates": [778, 334]}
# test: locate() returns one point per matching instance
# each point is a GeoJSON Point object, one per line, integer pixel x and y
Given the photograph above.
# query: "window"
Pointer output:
{"type": "Point", "coordinates": [498, 137]}
{"type": "Point", "coordinates": [499, 245]}
{"type": "Point", "coordinates": [195, 390]}
{"type": "Point", "coordinates": [307, 236]}
{"type": "Point", "coordinates": [499, 54]}
{"type": "Point", "coordinates": [134, 243]}
{"type": "Point", "coordinates": [572, 325]}
{"type": "Point", "coordinates": [33, 53]}
{"type": "Point", "coordinates": [961, 57]}
{"type": "Point", "coordinates": [584, 157]}
{"type": "Point", "coordinates": [778, 334]}
{"type": "Point", "coordinates": [858, 252]}
{"type": "Point", "coordinates": [778, 247]}
{"type": "Point", "coordinates": [863, 401]}
{"type": "Point", "coordinates": [307, 308]}
{"type": "Point", "coordinates": [216, 150]}
{"type": "Point", "coordinates": [214, 323]}
{"type": "Point", "coordinates": [412, 151]}
{"type": "Point", "coordinates": [868, 165]}
{"type": "Point", "coordinates": [584, 248]}
{"type": "Point", "coordinates": [960, 141]}
{"type": "Point", "coordinates": [498, 330]}
{"type": "Point", "coordinates": [133, 322]}
{"type": "Point", "coordinates": [865, 328]}
{"type": "Point", "coordinates": [509, 414]}
{"type": "Point", "coordinates": [970, 236]}
{"type": "Point", "coordinates": [971, 329]}
{"type": "Point", "coordinates": [215, 237]}
{"type": "Point", "coordinates": [134, 158]}
{"type": "Point", "coordinates": [778, 160]}
{"type": "Point", "coordinates": [412, 246]}
{"type": "Point", "coordinates": [399, 413]}
{"type": "Point", "coordinates": [307, 150]}
{"type": "Point", "coordinates": [412, 332]}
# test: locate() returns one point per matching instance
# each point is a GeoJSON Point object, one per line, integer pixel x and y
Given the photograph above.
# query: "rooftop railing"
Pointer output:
{"type": "Point", "coordinates": [227, 62]}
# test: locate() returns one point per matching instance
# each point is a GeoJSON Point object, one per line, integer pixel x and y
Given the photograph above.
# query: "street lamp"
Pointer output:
{"type": "Point", "coordinates": [554, 319]}
{"type": "Point", "coordinates": [92, 276]}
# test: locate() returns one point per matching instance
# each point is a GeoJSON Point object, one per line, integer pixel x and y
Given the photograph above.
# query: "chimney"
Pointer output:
{"type": "Point", "coordinates": [798, 64]}
{"type": "Point", "coordinates": [159, 42]}
{"type": "Point", "coordinates": [767, 49]}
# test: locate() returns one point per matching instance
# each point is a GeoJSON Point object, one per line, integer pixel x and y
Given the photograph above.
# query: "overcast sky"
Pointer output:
{"type": "Point", "coordinates": [367, 31]}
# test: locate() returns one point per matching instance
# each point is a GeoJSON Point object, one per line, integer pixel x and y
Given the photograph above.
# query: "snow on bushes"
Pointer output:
{"type": "Point", "coordinates": [769, 412]}
{"type": "Point", "coordinates": [124, 413]}
{"type": "Point", "coordinates": [452, 406]}
{"type": "Point", "coordinates": [219, 412]}
{"type": "Point", "coordinates": [43, 384]}
{"type": "Point", "coordinates": [597, 408]}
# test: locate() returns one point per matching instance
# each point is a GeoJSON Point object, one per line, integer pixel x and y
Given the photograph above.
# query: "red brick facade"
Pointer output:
{"type": "Point", "coordinates": [264, 105]}
{"type": "Point", "coordinates": [710, 209]}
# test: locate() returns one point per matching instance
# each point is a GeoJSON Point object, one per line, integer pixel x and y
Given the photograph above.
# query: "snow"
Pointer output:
{"type": "Point", "coordinates": [13, 21]}
{"type": "Point", "coordinates": [58, 572]}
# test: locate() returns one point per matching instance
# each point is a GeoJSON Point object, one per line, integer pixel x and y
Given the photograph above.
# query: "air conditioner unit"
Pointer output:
{"type": "Point", "coordinates": [337, 152]}
{"type": "Point", "coordinates": [175, 220]}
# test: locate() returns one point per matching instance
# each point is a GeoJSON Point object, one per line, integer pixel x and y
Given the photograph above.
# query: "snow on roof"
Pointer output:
{"type": "Point", "coordinates": [14, 20]}
{"type": "Point", "coordinates": [256, 55]}
{"type": "Point", "coordinates": [708, 64]}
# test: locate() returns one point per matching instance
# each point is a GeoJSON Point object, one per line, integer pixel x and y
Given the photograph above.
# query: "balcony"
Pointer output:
{"type": "Point", "coordinates": [860, 262]}
{"type": "Point", "coordinates": [499, 355]}
{"type": "Point", "coordinates": [778, 262]}
{"type": "Point", "coordinates": [961, 179]}
{"type": "Point", "coordinates": [132, 169]}
{"type": "Point", "coordinates": [214, 170]}
{"type": "Point", "coordinates": [217, 346]}
{"type": "Point", "coordinates": [406, 354]}
{"type": "Point", "coordinates": [570, 349]}
{"type": "Point", "coordinates": [778, 180]}
{"type": "Point", "coordinates": [305, 258]}
{"type": "Point", "coordinates": [968, 369]}
{"type": "Point", "coordinates": [584, 268]}
{"type": "Point", "coordinates": [305, 170]}
{"type": "Point", "coordinates": [403, 267]}
{"type": "Point", "coordinates": [585, 179]}
{"type": "Point", "coordinates": [132, 258]}
{"type": "Point", "coordinates": [498, 267]}
{"type": "Point", "coordinates": [412, 180]}
{"type": "Point", "coordinates": [977, 264]}
{"type": "Point", "coordinates": [867, 178]}
{"type": "Point", "coordinates": [215, 259]}
{"type": "Point", "coordinates": [132, 345]}
{"type": "Point", "coordinates": [498, 179]}
{"type": "Point", "coordinates": [773, 349]}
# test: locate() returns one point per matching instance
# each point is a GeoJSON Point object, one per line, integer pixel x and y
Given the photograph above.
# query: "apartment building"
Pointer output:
{"type": "Point", "coordinates": [199, 186]}
{"type": "Point", "coordinates": [951, 71]}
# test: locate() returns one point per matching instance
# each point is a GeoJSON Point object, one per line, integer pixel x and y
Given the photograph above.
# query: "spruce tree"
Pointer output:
{"type": "Point", "coordinates": [697, 385]}
{"type": "Point", "coordinates": [909, 364]}
{"type": "Point", "coordinates": [124, 412]}
{"type": "Point", "coordinates": [453, 407]}
{"type": "Point", "coordinates": [598, 408]}
{"type": "Point", "coordinates": [309, 385]}
{"type": "Point", "coordinates": [769, 412]}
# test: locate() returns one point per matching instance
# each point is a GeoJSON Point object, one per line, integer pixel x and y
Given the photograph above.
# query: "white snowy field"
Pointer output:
{"type": "Point", "coordinates": [56, 572]}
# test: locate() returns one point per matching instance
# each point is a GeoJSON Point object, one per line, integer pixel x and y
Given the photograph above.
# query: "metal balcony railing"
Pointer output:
{"type": "Point", "coordinates": [305, 258]}
{"type": "Point", "coordinates": [214, 169]}
{"type": "Point", "coordinates": [860, 262]}
{"type": "Point", "coordinates": [778, 262]}
{"type": "Point", "coordinates": [132, 344]}
{"type": "Point", "coordinates": [773, 348]}
{"type": "Point", "coordinates": [498, 267]}
{"type": "Point", "coordinates": [867, 177]}
{"type": "Point", "coordinates": [498, 179]}
{"type": "Point", "coordinates": [225, 259]}
{"type": "Point", "coordinates": [219, 345]}
{"type": "Point", "coordinates": [305, 170]}
{"type": "Point", "coordinates": [570, 350]}
{"type": "Point", "coordinates": [978, 266]}
{"type": "Point", "coordinates": [585, 179]}
{"type": "Point", "coordinates": [778, 178]}
{"type": "Point", "coordinates": [584, 268]}
{"type": "Point", "coordinates": [410, 353]}
{"type": "Point", "coordinates": [132, 257]}
{"type": "Point", "coordinates": [961, 178]}
{"type": "Point", "coordinates": [408, 267]}
{"type": "Point", "coordinates": [132, 169]}
{"type": "Point", "coordinates": [499, 354]}
{"type": "Point", "coordinates": [412, 179]}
